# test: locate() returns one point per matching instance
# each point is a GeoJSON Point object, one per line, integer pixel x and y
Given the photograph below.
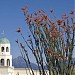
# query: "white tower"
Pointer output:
{"type": "Point", "coordinates": [5, 57]}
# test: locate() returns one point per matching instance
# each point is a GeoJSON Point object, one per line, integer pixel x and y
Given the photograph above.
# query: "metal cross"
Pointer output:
{"type": "Point", "coordinates": [3, 33]}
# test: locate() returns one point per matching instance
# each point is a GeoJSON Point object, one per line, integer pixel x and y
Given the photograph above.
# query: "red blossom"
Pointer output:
{"type": "Point", "coordinates": [30, 41]}
{"type": "Point", "coordinates": [63, 57]}
{"type": "Point", "coordinates": [53, 29]}
{"type": "Point", "coordinates": [64, 15]}
{"type": "Point", "coordinates": [63, 40]}
{"type": "Point", "coordinates": [24, 8]}
{"type": "Point", "coordinates": [21, 45]}
{"type": "Point", "coordinates": [59, 22]}
{"type": "Point", "coordinates": [48, 32]}
{"type": "Point", "coordinates": [50, 51]}
{"type": "Point", "coordinates": [45, 17]}
{"type": "Point", "coordinates": [63, 26]}
{"type": "Point", "coordinates": [54, 34]}
{"type": "Point", "coordinates": [56, 56]}
{"type": "Point", "coordinates": [74, 25]}
{"type": "Point", "coordinates": [52, 23]}
{"type": "Point", "coordinates": [72, 12]}
{"type": "Point", "coordinates": [69, 27]}
{"type": "Point", "coordinates": [18, 30]}
{"type": "Point", "coordinates": [41, 23]}
{"type": "Point", "coordinates": [29, 16]}
{"type": "Point", "coordinates": [62, 32]}
{"type": "Point", "coordinates": [37, 19]}
{"type": "Point", "coordinates": [35, 13]}
{"type": "Point", "coordinates": [16, 41]}
{"type": "Point", "coordinates": [43, 11]}
{"type": "Point", "coordinates": [66, 48]}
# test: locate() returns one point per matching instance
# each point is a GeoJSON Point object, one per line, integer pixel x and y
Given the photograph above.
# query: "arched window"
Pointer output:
{"type": "Point", "coordinates": [2, 49]}
{"type": "Point", "coordinates": [8, 62]}
{"type": "Point", "coordinates": [7, 49]}
{"type": "Point", "coordinates": [2, 62]}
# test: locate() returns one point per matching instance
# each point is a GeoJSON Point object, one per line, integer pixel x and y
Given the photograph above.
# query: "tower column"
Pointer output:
{"type": "Point", "coordinates": [5, 63]}
{"type": "Point", "coordinates": [5, 56]}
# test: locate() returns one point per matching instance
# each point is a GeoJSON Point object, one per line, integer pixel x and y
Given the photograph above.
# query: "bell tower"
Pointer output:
{"type": "Point", "coordinates": [5, 56]}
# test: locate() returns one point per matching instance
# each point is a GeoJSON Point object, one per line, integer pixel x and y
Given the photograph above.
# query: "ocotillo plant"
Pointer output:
{"type": "Point", "coordinates": [53, 42]}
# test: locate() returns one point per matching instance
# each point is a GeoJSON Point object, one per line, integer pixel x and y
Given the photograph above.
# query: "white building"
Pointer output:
{"type": "Point", "coordinates": [6, 67]}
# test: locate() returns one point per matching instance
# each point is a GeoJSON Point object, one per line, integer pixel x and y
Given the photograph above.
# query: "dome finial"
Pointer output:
{"type": "Point", "coordinates": [3, 33]}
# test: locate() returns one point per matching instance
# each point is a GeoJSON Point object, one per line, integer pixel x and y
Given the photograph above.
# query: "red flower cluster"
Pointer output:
{"type": "Point", "coordinates": [59, 22]}
{"type": "Point", "coordinates": [18, 30]}
{"type": "Point", "coordinates": [21, 45]}
{"type": "Point", "coordinates": [24, 8]}
{"type": "Point", "coordinates": [16, 41]}
{"type": "Point", "coordinates": [50, 51]}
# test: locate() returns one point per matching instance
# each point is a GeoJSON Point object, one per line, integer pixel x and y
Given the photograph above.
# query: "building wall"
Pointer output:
{"type": "Point", "coordinates": [5, 70]}
{"type": "Point", "coordinates": [11, 71]}
{"type": "Point", "coordinates": [24, 71]}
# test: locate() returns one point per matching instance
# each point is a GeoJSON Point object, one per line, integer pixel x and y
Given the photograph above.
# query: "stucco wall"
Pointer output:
{"type": "Point", "coordinates": [5, 70]}
{"type": "Point", "coordinates": [25, 71]}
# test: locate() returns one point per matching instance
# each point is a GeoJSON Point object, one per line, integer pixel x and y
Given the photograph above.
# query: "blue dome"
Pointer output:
{"type": "Point", "coordinates": [4, 41]}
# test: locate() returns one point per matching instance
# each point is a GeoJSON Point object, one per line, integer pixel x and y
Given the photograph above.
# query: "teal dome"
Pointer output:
{"type": "Point", "coordinates": [4, 41]}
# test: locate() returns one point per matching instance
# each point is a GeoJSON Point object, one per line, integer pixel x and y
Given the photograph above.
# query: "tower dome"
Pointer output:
{"type": "Point", "coordinates": [4, 41]}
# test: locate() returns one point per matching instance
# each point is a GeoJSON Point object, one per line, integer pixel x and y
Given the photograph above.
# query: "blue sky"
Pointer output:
{"type": "Point", "coordinates": [11, 16]}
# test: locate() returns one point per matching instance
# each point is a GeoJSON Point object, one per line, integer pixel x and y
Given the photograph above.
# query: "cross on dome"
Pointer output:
{"type": "Point", "coordinates": [3, 33]}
